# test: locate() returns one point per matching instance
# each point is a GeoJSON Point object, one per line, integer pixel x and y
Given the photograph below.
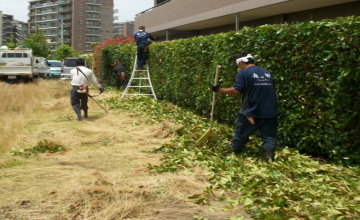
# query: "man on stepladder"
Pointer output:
{"type": "Point", "coordinates": [141, 39]}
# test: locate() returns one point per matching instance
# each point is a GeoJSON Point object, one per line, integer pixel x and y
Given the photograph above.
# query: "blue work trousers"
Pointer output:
{"type": "Point", "coordinates": [142, 54]}
{"type": "Point", "coordinates": [243, 129]}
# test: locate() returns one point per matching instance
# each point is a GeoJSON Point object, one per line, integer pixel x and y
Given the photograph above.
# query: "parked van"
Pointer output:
{"type": "Point", "coordinates": [55, 68]}
{"type": "Point", "coordinates": [67, 65]}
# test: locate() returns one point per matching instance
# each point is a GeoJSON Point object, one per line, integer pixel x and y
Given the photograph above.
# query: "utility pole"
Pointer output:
{"type": "Point", "coordinates": [62, 31]}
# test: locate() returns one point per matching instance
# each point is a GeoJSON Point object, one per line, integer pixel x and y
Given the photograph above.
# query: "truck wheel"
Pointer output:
{"type": "Point", "coordinates": [28, 80]}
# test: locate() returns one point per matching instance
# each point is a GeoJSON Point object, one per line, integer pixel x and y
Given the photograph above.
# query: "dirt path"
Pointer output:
{"type": "Point", "coordinates": [103, 173]}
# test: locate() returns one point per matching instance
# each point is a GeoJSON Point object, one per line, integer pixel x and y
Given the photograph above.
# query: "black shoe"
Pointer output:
{"type": "Point", "coordinates": [269, 154]}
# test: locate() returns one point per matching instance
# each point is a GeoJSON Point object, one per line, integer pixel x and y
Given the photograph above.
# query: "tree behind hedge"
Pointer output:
{"type": "Point", "coordinates": [122, 49]}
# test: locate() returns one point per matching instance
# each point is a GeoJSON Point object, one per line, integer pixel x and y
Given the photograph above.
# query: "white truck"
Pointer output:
{"type": "Point", "coordinates": [41, 67]}
{"type": "Point", "coordinates": [16, 64]}
{"type": "Point", "coordinates": [20, 64]}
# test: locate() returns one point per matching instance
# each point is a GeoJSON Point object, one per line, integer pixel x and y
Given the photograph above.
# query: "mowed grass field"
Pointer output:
{"type": "Point", "coordinates": [101, 173]}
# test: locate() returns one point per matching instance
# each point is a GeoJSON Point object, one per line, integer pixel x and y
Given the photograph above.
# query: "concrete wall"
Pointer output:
{"type": "Point", "coordinates": [176, 10]}
{"type": "Point", "coordinates": [330, 12]}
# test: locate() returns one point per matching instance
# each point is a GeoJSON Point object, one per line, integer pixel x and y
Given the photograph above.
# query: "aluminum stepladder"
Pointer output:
{"type": "Point", "coordinates": [139, 79]}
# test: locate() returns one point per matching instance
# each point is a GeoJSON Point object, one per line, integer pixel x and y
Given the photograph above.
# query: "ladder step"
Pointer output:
{"type": "Point", "coordinates": [141, 75]}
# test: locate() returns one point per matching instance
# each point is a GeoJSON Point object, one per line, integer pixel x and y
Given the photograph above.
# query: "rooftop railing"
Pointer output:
{"type": "Point", "coordinates": [158, 5]}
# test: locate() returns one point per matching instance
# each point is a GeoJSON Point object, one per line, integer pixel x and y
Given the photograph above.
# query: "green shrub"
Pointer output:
{"type": "Point", "coordinates": [316, 66]}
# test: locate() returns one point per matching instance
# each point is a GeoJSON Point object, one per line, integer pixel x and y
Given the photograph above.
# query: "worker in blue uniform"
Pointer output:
{"type": "Point", "coordinates": [142, 41]}
{"type": "Point", "coordinates": [259, 105]}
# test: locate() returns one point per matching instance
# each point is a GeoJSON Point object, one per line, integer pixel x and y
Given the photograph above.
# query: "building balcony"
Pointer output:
{"type": "Point", "coordinates": [64, 33]}
{"type": "Point", "coordinates": [49, 34]}
{"type": "Point", "coordinates": [66, 40]}
{"type": "Point", "coordinates": [65, 25]}
{"type": "Point", "coordinates": [48, 12]}
{"type": "Point", "coordinates": [47, 27]}
{"type": "Point", "coordinates": [42, 5]}
{"type": "Point", "coordinates": [93, 2]}
{"type": "Point", "coordinates": [93, 18]}
{"type": "Point", "coordinates": [93, 11]}
{"type": "Point", "coordinates": [45, 20]}
{"type": "Point", "coordinates": [67, 9]}
{"type": "Point", "coordinates": [64, 2]}
{"type": "Point", "coordinates": [97, 34]}
{"type": "Point", "coordinates": [67, 17]}
{"type": "Point", "coordinates": [93, 26]}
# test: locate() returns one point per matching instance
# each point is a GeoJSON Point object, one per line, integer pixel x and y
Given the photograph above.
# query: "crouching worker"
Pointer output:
{"type": "Point", "coordinates": [81, 77]}
{"type": "Point", "coordinates": [120, 74]}
{"type": "Point", "coordinates": [259, 105]}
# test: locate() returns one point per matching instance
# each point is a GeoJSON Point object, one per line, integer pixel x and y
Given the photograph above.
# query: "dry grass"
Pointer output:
{"type": "Point", "coordinates": [102, 175]}
{"type": "Point", "coordinates": [20, 102]}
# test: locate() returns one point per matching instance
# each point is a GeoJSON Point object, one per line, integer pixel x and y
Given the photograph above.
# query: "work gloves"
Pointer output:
{"type": "Point", "coordinates": [102, 89]}
{"type": "Point", "coordinates": [215, 88]}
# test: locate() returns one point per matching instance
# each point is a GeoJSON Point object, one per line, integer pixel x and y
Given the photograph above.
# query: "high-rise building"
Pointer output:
{"type": "Point", "coordinates": [125, 28]}
{"type": "Point", "coordinates": [77, 23]}
{"type": "Point", "coordinates": [7, 27]}
{"type": "Point", "coordinates": [1, 28]}
{"type": "Point", "coordinates": [20, 30]}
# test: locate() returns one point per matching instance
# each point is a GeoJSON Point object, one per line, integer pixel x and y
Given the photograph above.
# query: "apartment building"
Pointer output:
{"type": "Point", "coordinates": [20, 30]}
{"type": "Point", "coordinates": [125, 29]}
{"type": "Point", "coordinates": [173, 19]}
{"type": "Point", "coordinates": [7, 28]}
{"type": "Point", "coordinates": [1, 29]}
{"type": "Point", "coordinates": [77, 23]}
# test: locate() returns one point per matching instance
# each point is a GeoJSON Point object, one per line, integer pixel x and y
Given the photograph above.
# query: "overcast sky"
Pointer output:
{"type": "Point", "coordinates": [127, 8]}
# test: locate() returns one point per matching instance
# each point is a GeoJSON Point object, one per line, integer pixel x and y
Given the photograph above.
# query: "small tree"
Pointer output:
{"type": "Point", "coordinates": [37, 42]}
{"type": "Point", "coordinates": [65, 51]}
{"type": "Point", "coordinates": [12, 42]}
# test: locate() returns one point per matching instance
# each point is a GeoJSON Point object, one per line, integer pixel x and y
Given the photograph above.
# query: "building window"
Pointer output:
{"type": "Point", "coordinates": [80, 37]}
{"type": "Point", "coordinates": [80, 29]}
{"type": "Point", "coordinates": [80, 14]}
{"type": "Point", "coordinates": [80, 6]}
{"type": "Point", "coordinates": [80, 45]}
{"type": "Point", "coordinates": [80, 22]}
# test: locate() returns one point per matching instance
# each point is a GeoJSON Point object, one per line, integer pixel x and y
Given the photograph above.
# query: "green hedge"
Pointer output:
{"type": "Point", "coordinates": [316, 66]}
